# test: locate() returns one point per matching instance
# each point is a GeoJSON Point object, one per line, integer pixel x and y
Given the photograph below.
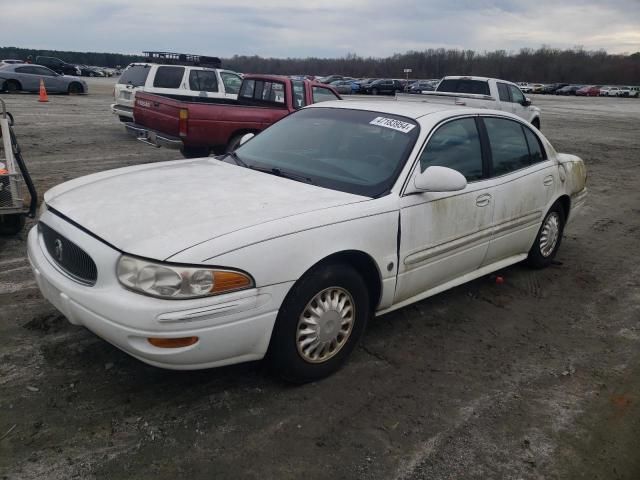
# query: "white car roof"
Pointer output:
{"type": "Point", "coordinates": [412, 110]}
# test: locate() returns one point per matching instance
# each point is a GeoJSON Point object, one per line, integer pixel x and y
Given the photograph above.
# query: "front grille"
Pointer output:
{"type": "Point", "coordinates": [68, 256]}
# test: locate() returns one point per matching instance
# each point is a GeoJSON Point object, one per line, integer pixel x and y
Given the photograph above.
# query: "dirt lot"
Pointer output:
{"type": "Point", "coordinates": [536, 378]}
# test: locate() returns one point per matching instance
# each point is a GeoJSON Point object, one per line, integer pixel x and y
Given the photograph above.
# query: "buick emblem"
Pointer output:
{"type": "Point", "coordinates": [57, 249]}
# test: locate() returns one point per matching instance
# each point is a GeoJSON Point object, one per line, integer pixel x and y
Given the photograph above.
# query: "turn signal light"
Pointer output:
{"type": "Point", "coordinates": [228, 281]}
{"type": "Point", "coordinates": [172, 342]}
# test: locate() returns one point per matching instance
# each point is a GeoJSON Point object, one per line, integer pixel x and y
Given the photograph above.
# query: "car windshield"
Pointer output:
{"type": "Point", "coordinates": [354, 151]}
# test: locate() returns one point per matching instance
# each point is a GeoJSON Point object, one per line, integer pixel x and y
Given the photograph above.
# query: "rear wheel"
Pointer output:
{"type": "Point", "coordinates": [194, 152]}
{"type": "Point", "coordinates": [11, 224]}
{"type": "Point", "coordinates": [12, 86]}
{"type": "Point", "coordinates": [374, 91]}
{"type": "Point", "coordinates": [74, 88]}
{"type": "Point", "coordinates": [547, 242]}
{"type": "Point", "coordinates": [319, 323]}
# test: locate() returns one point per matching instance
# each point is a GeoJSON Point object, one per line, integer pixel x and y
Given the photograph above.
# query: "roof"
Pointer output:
{"type": "Point", "coordinates": [412, 110]}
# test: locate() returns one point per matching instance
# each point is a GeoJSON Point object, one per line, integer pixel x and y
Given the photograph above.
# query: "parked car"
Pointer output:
{"type": "Point", "coordinates": [568, 90]}
{"type": "Point", "coordinates": [383, 86]}
{"type": "Point", "coordinates": [338, 212]}
{"type": "Point", "coordinates": [609, 91]}
{"type": "Point", "coordinates": [481, 92]}
{"type": "Point", "coordinates": [634, 92]}
{"type": "Point", "coordinates": [10, 61]}
{"type": "Point", "coordinates": [58, 66]}
{"type": "Point", "coordinates": [589, 91]}
{"type": "Point", "coordinates": [26, 77]}
{"type": "Point", "coordinates": [623, 92]}
{"type": "Point", "coordinates": [330, 78]}
{"type": "Point", "coordinates": [199, 126]}
{"type": "Point", "coordinates": [420, 86]}
{"type": "Point", "coordinates": [551, 88]}
{"type": "Point", "coordinates": [345, 86]}
{"type": "Point", "coordinates": [180, 81]}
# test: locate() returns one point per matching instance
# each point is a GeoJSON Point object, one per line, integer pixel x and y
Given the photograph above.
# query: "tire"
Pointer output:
{"type": "Point", "coordinates": [374, 91]}
{"type": "Point", "coordinates": [12, 86]}
{"type": "Point", "coordinates": [540, 256]}
{"type": "Point", "coordinates": [536, 123]}
{"type": "Point", "coordinates": [233, 143]}
{"type": "Point", "coordinates": [74, 88]}
{"type": "Point", "coordinates": [287, 356]}
{"type": "Point", "coordinates": [11, 224]}
{"type": "Point", "coordinates": [194, 152]}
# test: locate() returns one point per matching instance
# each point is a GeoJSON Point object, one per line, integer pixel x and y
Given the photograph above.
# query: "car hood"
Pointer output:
{"type": "Point", "coordinates": [157, 210]}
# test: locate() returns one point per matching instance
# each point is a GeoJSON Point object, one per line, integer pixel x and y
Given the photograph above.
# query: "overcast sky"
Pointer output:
{"type": "Point", "coordinates": [325, 28]}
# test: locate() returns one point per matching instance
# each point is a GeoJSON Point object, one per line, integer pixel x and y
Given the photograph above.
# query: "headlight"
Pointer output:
{"type": "Point", "coordinates": [177, 282]}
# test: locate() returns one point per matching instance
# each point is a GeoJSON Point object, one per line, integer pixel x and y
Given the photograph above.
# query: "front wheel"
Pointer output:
{"type": "Point", "coordinates": [194, 152]}
{"type": "Point", "coordinates": [74, 89]}
{"type": "Point", "coordinates": [319, 323]}
{"type": "Point", "coordinates": [374, 91]}
{"type": "Point", "coordinates": [11, 224]}
{"type": "Point", "coordinates": [547, 242]}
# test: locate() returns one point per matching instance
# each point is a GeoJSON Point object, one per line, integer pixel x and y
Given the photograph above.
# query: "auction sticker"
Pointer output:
{"type": "Point", "coordinates": [404, 127]}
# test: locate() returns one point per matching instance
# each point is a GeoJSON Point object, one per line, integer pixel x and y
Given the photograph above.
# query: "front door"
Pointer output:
{"type": "Point", "coordinates": [446, 235]}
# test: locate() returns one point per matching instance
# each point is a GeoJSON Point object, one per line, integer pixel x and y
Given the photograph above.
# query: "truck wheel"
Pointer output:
{"type": "Point", "coordinates": [194, 152]}
{"type": "Point", "coordinates": [11, 224]}
{"type": "Point", "coordinates": [233, 144]}
{"type": "Point", "coordinates": [319, 323]}
{"type": "Point", "coordinates": [536, 123]}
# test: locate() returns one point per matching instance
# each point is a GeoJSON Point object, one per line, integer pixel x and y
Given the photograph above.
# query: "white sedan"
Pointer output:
{"type": "Point", "coordinates": [287, 247]}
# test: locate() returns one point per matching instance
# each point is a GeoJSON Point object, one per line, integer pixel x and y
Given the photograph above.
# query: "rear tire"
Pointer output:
{"type": "Point", "coordinates": [12, 86]}
{"type": "Point", "coordinates": [374, 91]}
{"type": "Point", "coordinates": [331, 302]}
{"type": "Point", "coordinates": [11, 224]}
{"type": "Point", "coordinates": [549, 237]}
{"type": "Point", "coordinates": [194, 152]}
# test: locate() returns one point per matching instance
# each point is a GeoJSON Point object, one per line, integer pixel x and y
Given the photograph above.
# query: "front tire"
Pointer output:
{"type": "Point", "coordinates": [11, 224]}
{"type": "Point", "coordinates": [319, 323]}
{"type": "Point", "coordinates": [374, 91]}
{"type": "Point", "coordinates": [74, 89]}
{"type": "Point", "coordinates": [536, 123]}
{"type": "Point", "coordinates": [549, 237]}
{"type": "Point", "coordinates": [194, 152]}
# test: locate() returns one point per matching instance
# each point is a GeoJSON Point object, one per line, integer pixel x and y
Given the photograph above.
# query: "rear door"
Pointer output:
{"type": "Point", "coordinates": [523, 179]}
{"type": "Point", "coordinates": [166, 80]}
{"type": "Point", "coordinates": [27, 77]}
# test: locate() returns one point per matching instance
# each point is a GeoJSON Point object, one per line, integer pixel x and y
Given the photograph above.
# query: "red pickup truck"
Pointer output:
{"type": "Point", "coordinates": [204, 125]}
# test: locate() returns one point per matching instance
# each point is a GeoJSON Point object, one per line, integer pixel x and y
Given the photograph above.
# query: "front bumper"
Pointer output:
{"type": "Point", "coordinates": [122, 110]}
{"type": "Point", "coordinates": [231, 328]}
{"type": "Point", "coordinates": [152, 137]}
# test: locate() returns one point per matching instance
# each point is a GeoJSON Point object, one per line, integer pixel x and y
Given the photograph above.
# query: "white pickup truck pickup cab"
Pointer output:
{"type": "Point", "coordinates": [481, 92]}
{"type": "Point", "coordinates": [177, 81]}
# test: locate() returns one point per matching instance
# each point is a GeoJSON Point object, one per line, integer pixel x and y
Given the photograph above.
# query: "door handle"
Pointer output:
{"type": "Point", "coordinates": [548, 180]}
{"type": "Point", "coordinates": [483, 200]}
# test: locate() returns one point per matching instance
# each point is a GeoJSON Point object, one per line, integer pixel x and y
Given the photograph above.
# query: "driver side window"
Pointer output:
{"type": "Point", "coordinates": [516, 94]}
{"type": "Point", "coordinates": [455, 145]}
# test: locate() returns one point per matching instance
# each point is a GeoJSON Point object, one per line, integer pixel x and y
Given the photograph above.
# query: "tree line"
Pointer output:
{"type": "Point", "coordinates": [543, 65]}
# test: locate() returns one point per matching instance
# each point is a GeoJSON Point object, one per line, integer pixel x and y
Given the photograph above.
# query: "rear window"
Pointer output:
{"type": "Point", "coordinates": [262, 91]}
{"type": "Point", "coordinates": [135, 75]}
{"type": "Point", "coordinates": [203, 81]}
{"type": "Point", "coordinates": [461, 85]}
{"type": "Point", "coordinates": [168, 77]}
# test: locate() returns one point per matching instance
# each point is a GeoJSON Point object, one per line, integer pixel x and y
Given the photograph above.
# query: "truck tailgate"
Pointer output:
{"type": "Point", "coordinates": [158, 113]}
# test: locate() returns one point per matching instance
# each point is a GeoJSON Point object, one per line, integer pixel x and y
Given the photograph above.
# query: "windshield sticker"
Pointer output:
{"type": "Point", "coordinates": [392, 123]}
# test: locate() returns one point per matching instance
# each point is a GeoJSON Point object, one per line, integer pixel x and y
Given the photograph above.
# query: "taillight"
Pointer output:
{"type": "Point", "coordinates": [184, 116]}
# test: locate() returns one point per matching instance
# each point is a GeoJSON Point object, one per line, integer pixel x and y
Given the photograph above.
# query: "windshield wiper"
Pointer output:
{"type": "Point", "coordinates": [283, 173]}
{"type": "Point", "coordinates": [237, 159]}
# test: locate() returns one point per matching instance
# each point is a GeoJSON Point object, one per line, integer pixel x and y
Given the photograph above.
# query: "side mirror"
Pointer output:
{"type": "Point", "coordinates": [437, 179]}
{"type": "Point", "coordinates": [246, 137]}
{"type": "Point", "coordinates": [526, 102]}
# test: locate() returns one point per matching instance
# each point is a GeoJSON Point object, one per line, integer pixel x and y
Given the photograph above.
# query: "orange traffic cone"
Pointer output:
{"type": "Point", "coordinates": [43, 92]}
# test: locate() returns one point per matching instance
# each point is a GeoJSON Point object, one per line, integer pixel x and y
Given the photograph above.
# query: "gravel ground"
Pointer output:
{"type": "Point", "coordinates": [535, 378]}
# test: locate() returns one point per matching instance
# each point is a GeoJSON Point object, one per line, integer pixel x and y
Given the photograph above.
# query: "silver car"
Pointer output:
{"type": "Point", "coordinates": [26, 77]}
